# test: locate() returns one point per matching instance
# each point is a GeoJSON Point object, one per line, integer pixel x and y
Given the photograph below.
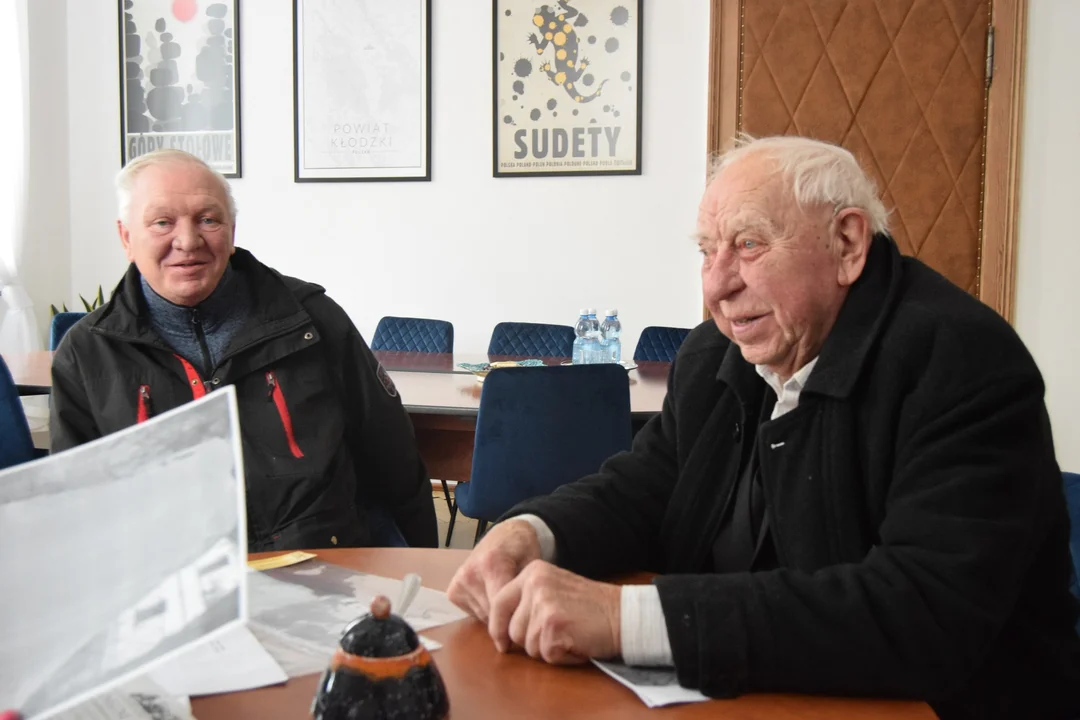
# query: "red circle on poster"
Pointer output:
{"type": "Point", "coordinates": [184, 10]}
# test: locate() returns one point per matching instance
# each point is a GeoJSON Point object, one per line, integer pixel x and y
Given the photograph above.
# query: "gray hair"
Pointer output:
{"type": "Point", "coordinates": [820, 173]}
{"type": "Point", "coordinates": [125, 179]}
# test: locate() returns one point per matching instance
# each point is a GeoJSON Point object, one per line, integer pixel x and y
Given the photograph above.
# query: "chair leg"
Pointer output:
{"type": "Point", "coordinates": [450, 528]}
{"type": "Point", "coordinates": [481, 526]}
{"type": "Point", "coordinates": [446, 494]}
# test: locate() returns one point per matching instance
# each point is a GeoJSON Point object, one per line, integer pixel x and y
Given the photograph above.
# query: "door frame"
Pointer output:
{"type": "Point", "coordinates": [996, 273]}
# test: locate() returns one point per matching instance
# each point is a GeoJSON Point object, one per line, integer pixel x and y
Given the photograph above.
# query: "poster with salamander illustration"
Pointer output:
{"type": "Point", "coordinates": [567, 87]}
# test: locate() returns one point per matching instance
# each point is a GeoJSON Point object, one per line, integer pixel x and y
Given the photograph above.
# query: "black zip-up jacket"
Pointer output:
{"type": "Point", "coordinates": [915, 505]}
{"type": "Point", "coordinates": [325, 436]}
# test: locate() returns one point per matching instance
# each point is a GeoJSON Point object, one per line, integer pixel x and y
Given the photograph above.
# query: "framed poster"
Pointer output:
{"type": "Point", "coordinates": [567, 85]}
{"type": "Point", "coordinates": [180, 79]}
{"type": "Point", "coordinates": [362, 90]}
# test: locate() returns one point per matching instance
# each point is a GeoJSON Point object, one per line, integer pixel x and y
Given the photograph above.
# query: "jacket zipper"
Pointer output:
{"type": "Point", "coordinates": [200, 337]}
{"type": "Point", "coordinates": [274, 394]}
{"type": "Point", "coordinates": [144, 409]}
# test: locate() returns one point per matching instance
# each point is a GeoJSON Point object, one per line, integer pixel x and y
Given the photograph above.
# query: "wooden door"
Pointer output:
{"type": "Point", "coordinates": [904, 85]}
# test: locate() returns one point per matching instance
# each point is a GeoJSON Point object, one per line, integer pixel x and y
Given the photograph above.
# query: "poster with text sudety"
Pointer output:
{"type": "Point", "coordinates": [567, 87]}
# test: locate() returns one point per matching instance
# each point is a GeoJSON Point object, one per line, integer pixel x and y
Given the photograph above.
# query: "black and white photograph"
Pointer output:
{"type": "Point", "coordinates": [299, 612]}
{"type": "Point", "coordinates": [567, 87]}
{"type": "Point", "coordinates": [160, 507]}
{"type": "Point", "coordinates": [180, 79]}
{"type": "Point", "coordinates": [362, 90]}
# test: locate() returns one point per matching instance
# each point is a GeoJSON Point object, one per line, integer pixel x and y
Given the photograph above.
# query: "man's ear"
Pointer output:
{"type": "Point", "coordinates": [853, 235]}
{"type": "Point", "coordinates": [125, 239]}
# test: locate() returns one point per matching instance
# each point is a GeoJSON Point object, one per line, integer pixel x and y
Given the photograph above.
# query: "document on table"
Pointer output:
{"type": "Point", "coordinates": [656, 686]}
{"type": "Point", "coordinates": [231, 662]}
{"type": "Point", "coordinates": [299, 612]}
{"type": "Point", "coordinates": [139, 699]}
{"type": "Point", "coordinates": [124, 551]}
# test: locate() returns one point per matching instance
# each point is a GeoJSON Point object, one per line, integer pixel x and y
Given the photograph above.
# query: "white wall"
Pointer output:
{"type": "Point", "coordinates": [1048, 267]}
{"type": "Point", "coordinates": [47, 265]}
{"type": "Point", "coordinates": [465, 247]}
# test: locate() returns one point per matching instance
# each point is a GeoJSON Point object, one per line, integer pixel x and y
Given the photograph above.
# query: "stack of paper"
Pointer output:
{"type": "Point", "coordinates": [119, 554]}
{"type": "Point", "coordinates": [656, 686]}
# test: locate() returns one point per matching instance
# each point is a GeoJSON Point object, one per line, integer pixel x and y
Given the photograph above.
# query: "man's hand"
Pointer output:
{"type": "Point", "coordinates": [503, 553]}
{"type": "Point", "coordinates": [557, 616]}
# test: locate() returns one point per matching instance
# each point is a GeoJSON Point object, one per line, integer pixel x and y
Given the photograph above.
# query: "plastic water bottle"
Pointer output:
{"type": "Point", "coordinates": [593, 351]}
{"type": "Point", "coordinates": [581, 331]}
{"type": "Point", "coordinates": [610, 330]}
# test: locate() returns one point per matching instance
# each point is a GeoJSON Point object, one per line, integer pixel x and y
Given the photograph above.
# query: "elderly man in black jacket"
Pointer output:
{"type": "Point", "coordinates": [329, 451]}
{"type": "Point", "coordinates": [851, 488]}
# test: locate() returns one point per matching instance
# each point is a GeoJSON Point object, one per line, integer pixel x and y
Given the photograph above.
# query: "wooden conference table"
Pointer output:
{"type": "Point", "coordinates": [483, 683]}
{"type": "Point", "coordinates": [442, 399]}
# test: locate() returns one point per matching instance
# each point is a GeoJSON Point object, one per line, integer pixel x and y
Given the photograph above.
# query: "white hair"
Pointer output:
{"type": "Point", "coordinates": [125, 179]}
{"type": "Point", "coordinates": [820, 173]}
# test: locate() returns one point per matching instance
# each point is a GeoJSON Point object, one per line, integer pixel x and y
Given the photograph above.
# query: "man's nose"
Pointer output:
{"type": "Point", "coordinates": [722, 278]}
{"type": "Point", "coordinates": [187, 236]}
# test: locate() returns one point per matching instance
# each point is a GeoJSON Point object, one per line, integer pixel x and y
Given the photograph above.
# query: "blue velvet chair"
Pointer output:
{"type": "Point", "coordinates": [405, 334]}
{"type": "Point", "coordinates": [1072, 500]}
{"type": "Point", "coordinates": [16, 445]}
{"type": "Point", "coordinates": [539, 428]}
{"type": "Point", "coordinates": [61, 323]}
{"type": "Point", "coordinates": [532, 339]}
{"type": "Point", "coordinates": [659, 344]}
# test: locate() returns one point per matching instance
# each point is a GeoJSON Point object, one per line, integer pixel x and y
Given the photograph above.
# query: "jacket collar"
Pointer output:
{"type": "Point", "coordinates": [857, 328]}
{"type": "Point", "coordinates": [271, 303]}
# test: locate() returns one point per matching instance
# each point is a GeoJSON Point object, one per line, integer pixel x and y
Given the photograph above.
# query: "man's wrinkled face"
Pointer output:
{"type": "Point", "coordinates": [771, 271]}
{"type": "Point", "coordinates": [178, 231]}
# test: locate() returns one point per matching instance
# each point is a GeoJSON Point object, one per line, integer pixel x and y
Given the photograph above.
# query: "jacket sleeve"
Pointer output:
{"type": "Point", "coordinates": [390, 471]}
{"type": "Point", "coordinates": [71, 421]}
{"type": "Point", "coordinates": [971, 500]}
{"type": "Point", "coordinates": [610, 522]}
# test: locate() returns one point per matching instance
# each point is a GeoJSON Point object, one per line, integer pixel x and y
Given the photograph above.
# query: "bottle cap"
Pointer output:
{"type": "Point", "coordinates": [591, 311]}
{"type": "Point", "coordinates": [611, 313]}
{"type": "Point", "coordinates": [583, 311]}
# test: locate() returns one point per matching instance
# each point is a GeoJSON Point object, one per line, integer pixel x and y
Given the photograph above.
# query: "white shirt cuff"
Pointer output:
{"type": "Point", "coordinates": [543, 534]}
{"type": "Point", "coordinates": [641, 623]}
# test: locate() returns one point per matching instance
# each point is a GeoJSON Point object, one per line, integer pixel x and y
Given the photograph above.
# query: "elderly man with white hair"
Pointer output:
{"type": "Point", "coordinates": [851, 488]}
{"type": "Point", "coordinates": [329, 451]}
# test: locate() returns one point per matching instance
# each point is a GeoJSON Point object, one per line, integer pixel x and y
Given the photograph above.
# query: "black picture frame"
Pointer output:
{"type": "Point", "coordinates": [534, 77]}
{"type": "Point", "coordinates": [186, 97]}
{"type": "Point", "coordinates": [357, 139]}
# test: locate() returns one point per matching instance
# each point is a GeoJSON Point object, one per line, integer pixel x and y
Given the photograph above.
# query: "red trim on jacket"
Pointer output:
{"type": "Point", "coordinates": [143, 412]}
{"type": "Point", "coordinates": [198, 389]}
{"type": "Point", "coordinates": [278, 397]}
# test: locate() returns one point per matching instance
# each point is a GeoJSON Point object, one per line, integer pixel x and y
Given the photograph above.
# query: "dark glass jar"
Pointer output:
{"type": "Point", "coordinates": [380, 670]}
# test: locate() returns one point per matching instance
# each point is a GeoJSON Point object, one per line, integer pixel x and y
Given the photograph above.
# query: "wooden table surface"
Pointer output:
{"type": "Point", "coordinates": [443, 401]}
{"type": "Point", "coordinates": [482, 683]}
{"type": "Point", "coordinates": [32, 372]}
{"type": "Point", "coordinates": [429, 383]}
{"type": "Point", "coordinates": [457, 393]}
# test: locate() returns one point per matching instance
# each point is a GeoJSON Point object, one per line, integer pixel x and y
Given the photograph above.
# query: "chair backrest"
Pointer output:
{"type": "Point", "coordinates": [16, 445]}
{"type": "Point", "coordinates": [535, 339]}
{"type": "Point", "coordinates": [1072, 500]}
{"type": "Point", "coordinates": [405, 334]}
{"type": "Point", "coordinates": [539, 428]}
{"type": "Point", "coordinates": [659, 344]}
{"type": "Point", "coordinates": [61, 323]}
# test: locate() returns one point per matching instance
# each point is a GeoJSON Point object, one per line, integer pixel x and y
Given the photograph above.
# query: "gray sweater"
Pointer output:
{"type": "Point", "coordinates": [201, 334]}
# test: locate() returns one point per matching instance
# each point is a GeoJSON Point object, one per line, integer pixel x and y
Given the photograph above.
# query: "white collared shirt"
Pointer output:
{"type": "Point", "coordinates": [643, 629]}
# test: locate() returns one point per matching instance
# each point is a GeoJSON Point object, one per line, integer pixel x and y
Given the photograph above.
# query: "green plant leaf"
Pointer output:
{"type": "Point", "coordinates": [64, 306]}
{"type": "Point", "coordinates": [86, 304]}
{"type": "Point", "coordinates": [100, 297]}
{"type": "Point", "coordinates": [52, 311]}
